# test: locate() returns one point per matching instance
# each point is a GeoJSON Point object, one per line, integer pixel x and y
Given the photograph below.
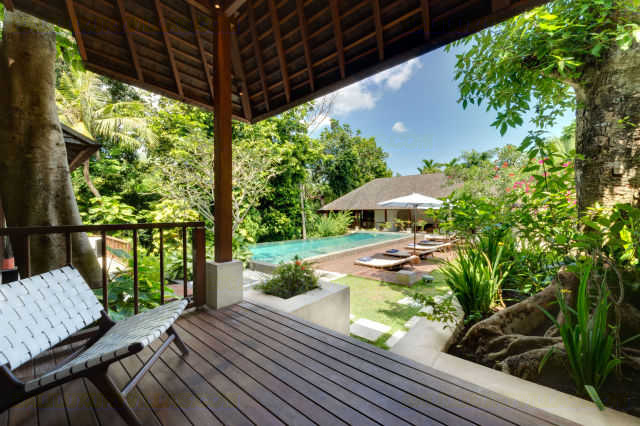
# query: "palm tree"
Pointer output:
{"type": "Point", "coordinates": [429, 166]}
{"type": "Point", "coordinates": [85, 106]}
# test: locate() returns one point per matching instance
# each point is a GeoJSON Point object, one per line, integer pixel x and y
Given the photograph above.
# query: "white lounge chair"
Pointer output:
{"type": "Point", "coordinates": [430, 248]}
{"type": "Point", "coordinates": [41, 312]}
{"type": "Point", "coordinates": [382, 263]}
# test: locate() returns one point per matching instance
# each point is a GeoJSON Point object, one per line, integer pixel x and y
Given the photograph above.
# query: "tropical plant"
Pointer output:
{"type": "Point", "coordinates": [109, 210]}
{"type": "Point", "coordinates": [476, 281]}
{"type": "Point", "coordinates": [588, 340]}
{"type": "Point", "coordinates": [121, 292]}
{"type": "Point", "coordinates": [429, 166]}
{"type": "Point", "coordinates": [329, 225]}
{"type": "Point", "coordinates": [291, 279]}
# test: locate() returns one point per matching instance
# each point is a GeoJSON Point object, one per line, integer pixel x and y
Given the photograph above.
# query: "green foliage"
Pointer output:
{"type": "Point", "coordinates": [109, 210]}
{"type": "Point", "coordinates": [331, 224]}
{"type": "Point", "coordinates": [527, 63]}
{"type": "Point", "coordinates": [349, 160]}
{"type": "Point", "coordinates": [475, 280]}
{"type": "Point", "coordinates": [442, 310]}
{"type": "Point", "coordinates": [429, 166]}
{"type": "Point", "coordinates": [588, 340]}
{"type": "Point", "coordinates": [402, 224]}
{"type": "Point", "coordinates": [121, 300]}
{"type": "Point", "coordinates": [291, 279]}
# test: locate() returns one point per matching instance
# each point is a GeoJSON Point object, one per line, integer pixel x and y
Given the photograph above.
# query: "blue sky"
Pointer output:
{"type": "Point", "coordinates": [412, 112]}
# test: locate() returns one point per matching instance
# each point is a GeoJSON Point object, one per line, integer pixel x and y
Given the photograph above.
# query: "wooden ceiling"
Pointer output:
{"type": "Point", "coordinates": [284, 52]}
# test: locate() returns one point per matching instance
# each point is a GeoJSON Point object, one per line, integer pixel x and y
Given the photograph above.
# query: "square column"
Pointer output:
{"type": "Point", "coordinates": [224, 283]}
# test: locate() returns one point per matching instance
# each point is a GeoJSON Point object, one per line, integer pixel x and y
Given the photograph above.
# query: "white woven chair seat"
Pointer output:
{"type": "Point", "coordinates": [143, 328]}
{"type": "Point", "coordinates": [39, 312]}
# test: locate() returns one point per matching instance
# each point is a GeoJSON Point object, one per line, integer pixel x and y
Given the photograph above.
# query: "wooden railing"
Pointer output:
{"type": "Point", "coordinates": [198, 246]}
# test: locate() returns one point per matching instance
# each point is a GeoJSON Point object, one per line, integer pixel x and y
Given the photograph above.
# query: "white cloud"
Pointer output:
{"type": "Point", "coordinates": [399, 127]}
{"type": "Point", "coordinates": [354, 98]}
{"type": "Point", "coordinates": [365, 94]}
{"type": "Point", "coordinates": [394, 78]}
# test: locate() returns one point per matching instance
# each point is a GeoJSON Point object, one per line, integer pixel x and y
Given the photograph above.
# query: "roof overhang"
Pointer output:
{"type": "Point", "coordinates": [284, 52]}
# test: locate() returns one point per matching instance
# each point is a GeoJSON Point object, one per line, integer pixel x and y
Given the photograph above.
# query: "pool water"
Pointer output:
{"type": "Point", "coordinates": [285, 251]}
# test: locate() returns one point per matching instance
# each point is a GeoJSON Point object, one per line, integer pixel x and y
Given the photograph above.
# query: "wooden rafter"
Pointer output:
{"type": "Point", "coordinates": [258, 53]}
{"type": "Point", "coordinates": [232, 6]}
{"type": "Point", "coordinates": [203, 58]}
{"type": "Point", "coordinates": [10, 7]}
{"type": "Point", "coordinates": [275, 22]}
{"type": "Point", "coordinates": [497, 5]}
{"type": "Point", "coordinates": [238, 70]}
{"type": "Point", "coordinates": [167, 43]}
{"type": "Point", "coordinates": [377, 18]}
{"type": "Point", "coordinates": [426, 18]}
{"type": "Point", "coordinates": [335, 18]}
{"type": "Point", "coordinates": [75, 26]}
{"type": "Point", "coordinates": [304, 34]}
{"type": "Point", "coordinates": [132, 46]}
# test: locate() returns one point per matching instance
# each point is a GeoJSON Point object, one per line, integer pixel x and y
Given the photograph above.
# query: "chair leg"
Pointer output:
{"type": "Point", "coordinates": [178, 341]}
{"type": "Point", "coordinates": [103, 382]}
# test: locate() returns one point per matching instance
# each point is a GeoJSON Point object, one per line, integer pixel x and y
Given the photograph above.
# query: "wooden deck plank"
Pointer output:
{"type": "Point", "coordinates": [473, 406]}
{"type": "Point", "coordinates": [80, 408]}
{"type": "Point", "coordinates": [154, 393]}
{"type": "Point", "coordinates": [51, 406]}
{"type": "Point", "coordinates": [201, 389]}
{"type": "Point", "coordinates": [215, 377]}
{"type": "Point", "coordinates": [265, 389]}
{"type": "Point", "coordinates": [331, 381]}
{"type": "Point", "coordinates": [196, 412]}
{"type": "Point", "coordinates": [25, 413]}
{"type": "Point", "coordinates": [303, 381]}
{"type": "Point", "coordinates": [135, 399]}
{"type": "Point", "coordinates": [419, 411]}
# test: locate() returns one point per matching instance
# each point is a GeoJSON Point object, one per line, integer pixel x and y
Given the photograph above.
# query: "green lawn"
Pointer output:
{"type": "Point", "coordinates": [378, 301]}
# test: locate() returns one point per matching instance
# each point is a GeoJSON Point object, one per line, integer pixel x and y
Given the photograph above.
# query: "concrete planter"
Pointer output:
{"type": "Point", "coordinates": [327, 306]}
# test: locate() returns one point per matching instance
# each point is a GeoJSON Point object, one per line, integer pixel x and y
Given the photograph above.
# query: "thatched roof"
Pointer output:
{"type": "Point", "coordinates": [283, 52]}
{"type": "Point", "coordinates": [370, 194]}
{"type": "Point", "coordinates": [79, 147]}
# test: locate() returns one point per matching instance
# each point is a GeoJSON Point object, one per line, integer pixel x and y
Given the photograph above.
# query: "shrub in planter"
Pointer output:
{"type": "Point", "coordinates": [291, 279]}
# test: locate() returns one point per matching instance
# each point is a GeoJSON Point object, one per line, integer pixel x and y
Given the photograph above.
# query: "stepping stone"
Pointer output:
{"type": "Point", "coordinates": [369, 330]}
{"type": "Point", "coordinates": [427, 310]}
{"type": "Point", "coordinates": [408, 301]}
{"type": "Point", "coordinates": [395, 338]}
{"type": "Point", "coordinates": [413, 321]}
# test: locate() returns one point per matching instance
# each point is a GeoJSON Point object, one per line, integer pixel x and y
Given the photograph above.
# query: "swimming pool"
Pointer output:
{"type": "Point", "coordinates": [285, 251]}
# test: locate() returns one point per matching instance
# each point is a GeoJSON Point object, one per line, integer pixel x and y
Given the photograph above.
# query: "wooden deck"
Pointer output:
{"type": "Point", "coordinates": [251, 365]}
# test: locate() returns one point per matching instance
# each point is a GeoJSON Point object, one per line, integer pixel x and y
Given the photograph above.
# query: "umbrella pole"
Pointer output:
{"type": "Point", "coordinates": [414, 231]}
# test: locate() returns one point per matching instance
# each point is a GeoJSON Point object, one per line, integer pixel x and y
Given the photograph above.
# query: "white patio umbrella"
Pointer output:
{"type": "Point", "coordinates": [413, 201]}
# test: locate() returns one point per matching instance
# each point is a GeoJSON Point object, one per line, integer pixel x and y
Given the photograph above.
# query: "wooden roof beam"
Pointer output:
{"type": "Point", "coordinates": [335, 18]}
{"type": "Point", "coordinates": [130, 43]}
{"type": "Point", "coordinates": [10, 7]}
{"type": "Point", "coordinates": [167, 43]}
{"type": "Point", "coordinates": [238, 69]}
{"type": "Point", "coordinates": [275, 23]}
{"type": "Point", "coordinates": [304, 33]}
{"type": "Point", "coordinates": [497, 5]}
{"type": "Point", "coordinates": [75, 26]}
{"type": "Point", "coordinates": [258, 53]}
{"type": "Point", "coordinates": [377, 18]}
{"type": "Point", "coordinates": [205, 64]}
{"type": "Point", "coordinates": [426, 18]}
{"type": "Point", "coordinates": [232, 6]}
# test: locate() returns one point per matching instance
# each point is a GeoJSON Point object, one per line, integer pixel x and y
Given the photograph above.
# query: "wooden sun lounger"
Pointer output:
{"type": "Point", "coordinates": [430, 248]}
{"type": "Point", "coordinates": [46, 310]}
{"type": "Point", "coordinates": [405, 253]}
{"type": "Point", "coordinates": [381, 263]}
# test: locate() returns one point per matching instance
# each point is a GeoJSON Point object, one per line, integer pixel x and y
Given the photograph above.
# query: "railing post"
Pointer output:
{"type": "Point", "coordinates": [27, 254]}
{"type": "Point", "coordinates": [199, 266]}
{"type": "Point", "coordinates": [136, 308]}
{"type": "Point", "coordinates": [161, 267]}
{"type": "Point", "coordinates": [105, 272]}
{"type": "Point", "coordinates": [185, 275]}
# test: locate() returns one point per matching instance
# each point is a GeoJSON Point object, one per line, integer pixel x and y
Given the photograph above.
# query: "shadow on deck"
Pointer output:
{"type": "Point", "coordinates": [252, 365]}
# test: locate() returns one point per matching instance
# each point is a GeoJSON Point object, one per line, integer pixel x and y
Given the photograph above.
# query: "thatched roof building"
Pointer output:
{"type": "Point", "coordinates": [370, 194]}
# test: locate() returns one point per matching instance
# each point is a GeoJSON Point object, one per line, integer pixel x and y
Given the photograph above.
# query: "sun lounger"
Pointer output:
{"type": "Point", "coordinates": [429, 248]}
{"type": "Point", "coordinates": [404, 253]}
{"type": "Point", "coordinates": [382, 263]}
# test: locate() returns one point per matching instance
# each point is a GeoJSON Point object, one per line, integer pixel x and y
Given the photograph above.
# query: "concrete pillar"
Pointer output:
{"type": "Point", "coordinates": [224, 283]}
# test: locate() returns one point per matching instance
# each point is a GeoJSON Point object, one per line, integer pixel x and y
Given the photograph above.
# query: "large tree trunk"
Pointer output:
{"type": "Point", "coordinates": [608, 130]}
{"type": "Point", "coordinates": [35, 184]}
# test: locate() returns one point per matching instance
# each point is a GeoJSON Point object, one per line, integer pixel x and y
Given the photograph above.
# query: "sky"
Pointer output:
{"type": "Point", "coordinates": [413, 113]}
